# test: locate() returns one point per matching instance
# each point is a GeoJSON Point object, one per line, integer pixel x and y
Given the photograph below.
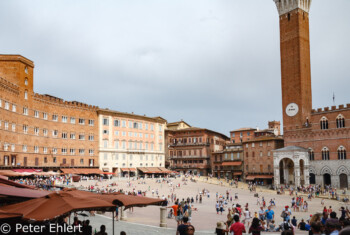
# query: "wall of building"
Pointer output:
{"type": "Point", "coordinates": [130, 141]}
{"type": "Point", "coordinates": [36, 130]}
{"type": "Point", "coordinates": [190, 149]}
{"type": "Point", "coordinates": [258, 156]}
{"type": "Point", "coordinates": [317, 139]}
{"type": "Point", "coordinates": [223, 162]}
{"type": "Point", "coordinates": [241, 135]}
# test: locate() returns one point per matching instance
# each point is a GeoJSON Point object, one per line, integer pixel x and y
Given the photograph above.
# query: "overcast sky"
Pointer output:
{"type": "Point", "coordinates": [214, 64]}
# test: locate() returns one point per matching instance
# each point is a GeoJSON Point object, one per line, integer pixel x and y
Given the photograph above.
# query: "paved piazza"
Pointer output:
{"type": "Point", "coordinates": [205, 218]}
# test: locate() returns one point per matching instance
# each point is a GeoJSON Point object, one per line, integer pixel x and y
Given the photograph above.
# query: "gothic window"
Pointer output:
{"type": "Point", "coordinates": [340, 121]}
{"type": "Point", "coordinates": [341, 153]}
{"type": "Point", "coordinates": [324, 123]}
{"type": "Point", "coordinates": [311, 154]}
{"type": "Point", "coordinates": [325, 153]}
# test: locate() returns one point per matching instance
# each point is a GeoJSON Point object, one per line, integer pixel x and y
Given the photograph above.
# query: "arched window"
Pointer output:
{"type": "Point", "coordinates": [324, 123]}
{"type": "Point", "coordinates": [26, 94]}
{"type": "Point", "coordinates": [341, 153]}
{"type": "Point", "coordinates": [311, 154]}
{"type": "Point", "coordinates": [340, 121]}
{"type": "Point", "coordinates": [325, 153]}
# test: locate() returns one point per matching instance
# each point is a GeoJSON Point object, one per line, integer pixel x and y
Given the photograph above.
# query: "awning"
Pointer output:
{"type": "Point", "coordinates": [132, 169]}
{"type": "Point", "coordinates": [9, 183]}
{"type": "Point", "coordinates": [263, 176]}
{"type": "Point", "coordinates": [22, 192]}
{"type": "Point", "coordinates": [10, 173]}
{"type": "Point", "coordinates": [105, 169]}
{"type": "Point", "coordinates": [27, 170]}
{"type": "Point", "coordinates": [154, 170]}
{"type": "Point", "coordinates": [237, 173]}
{"type": "Point", "coordinates": [81, 171]}
{"type": "Point", "coordinates": [144, 170]}
{"type": "Point", "coordinates": [250, 177]}
{"type": "Point", "coordinates": [124, 169]}
{"type": "Point", "coordinates": [89, 171]}
{"type": "Point", "coordinates": [68, 170]}
{"type": "Point", "coordinates": [232, 163]}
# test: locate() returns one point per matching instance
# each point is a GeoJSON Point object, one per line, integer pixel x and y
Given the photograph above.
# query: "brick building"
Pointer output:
{"type": "Point", "coordinates": [228, 163]}
{"type": "Point", "coordinates": [316, 140]}
{"type": "Point", "coordinates": [258, 157]}
{"type": "Point", "coordinates": [172, 126]}
{"type": "Point", "coordinates": [190, 149]}
{"type": "Point", "coordinates": [254, 148]}
{"type": "Point", "coordinates": [242, 134]}
{"type": "Point", "coordinates": [131, 144]}
{"type": "Point", "coordinates": [249, 133]}
{"type": "Point", "coordinates": [42, 131]}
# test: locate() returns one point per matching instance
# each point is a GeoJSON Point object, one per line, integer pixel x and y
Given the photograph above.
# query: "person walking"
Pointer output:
{"type": "Point", "coordinates": [247, 217]}
{"type": "Point", "coordinates": [262, 214]}
{"type": "Point", "coordinates": [270, 215]}
{"type": "Point", "coordinates": [237, 228]}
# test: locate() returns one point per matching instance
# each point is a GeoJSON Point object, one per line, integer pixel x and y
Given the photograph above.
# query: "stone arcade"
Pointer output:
{"type": "Point", "coordinates": [291, 166]}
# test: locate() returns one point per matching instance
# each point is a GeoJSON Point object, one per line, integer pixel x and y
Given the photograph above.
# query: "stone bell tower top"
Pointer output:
{"type": "Point", "coordinates": [285, 6]}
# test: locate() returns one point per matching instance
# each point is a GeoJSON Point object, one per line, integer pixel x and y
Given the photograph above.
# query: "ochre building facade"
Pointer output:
{"type": "Point", "coordinates": [42, 131]}
{"type": "Point", "coordinates": [130, 144]}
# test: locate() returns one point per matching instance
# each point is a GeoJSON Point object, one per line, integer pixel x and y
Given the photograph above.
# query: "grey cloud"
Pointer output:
{"type": "Point", "coordinates": [215, 64]}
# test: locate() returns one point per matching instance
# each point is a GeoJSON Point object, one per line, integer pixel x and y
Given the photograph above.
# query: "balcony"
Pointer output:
{"type": "Point", "coordinates": [234, 160]}
{"type": "Point", "coordinates": [192, 166]}
{"type": "Point", "coordinates": [136, 151]}
{"type": "Point", "coordinates": [189, 144]}
{"type": "Point", "coordinates": [189, 157]}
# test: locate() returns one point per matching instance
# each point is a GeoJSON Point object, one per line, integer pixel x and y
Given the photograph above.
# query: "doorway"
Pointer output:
{"type": "Point", "coordinates": [327, 179]}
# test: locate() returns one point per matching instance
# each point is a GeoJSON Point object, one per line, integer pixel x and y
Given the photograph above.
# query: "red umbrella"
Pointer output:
{"type": "Point", "coordinates": [6, 215]}
{"type": "Point", "coordinates": [56, 205]}
{"type": "Point", "coordinates": [118, 199]}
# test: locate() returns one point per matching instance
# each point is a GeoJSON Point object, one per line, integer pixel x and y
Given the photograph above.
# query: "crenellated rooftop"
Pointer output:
{"type": "Point", "coordinates": [331, 109]}
{"type": "Point", "coordinates": [57, 100]}
{"type": "Point", "coordinates": [9, 85]}
{"type": "Point", "coordinates": [285, 6]}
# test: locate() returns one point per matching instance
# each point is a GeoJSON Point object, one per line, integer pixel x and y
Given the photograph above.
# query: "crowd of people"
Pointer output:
{"type": "Point", "coordinates": [239, 218]}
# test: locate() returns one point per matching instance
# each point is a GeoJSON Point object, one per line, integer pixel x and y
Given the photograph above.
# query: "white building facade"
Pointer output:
{"type": "Point", "coordinates": [128, 142]}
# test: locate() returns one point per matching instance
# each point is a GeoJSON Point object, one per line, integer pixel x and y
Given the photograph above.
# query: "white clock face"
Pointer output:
{"type": "Point", "coordinates": [292, 109]}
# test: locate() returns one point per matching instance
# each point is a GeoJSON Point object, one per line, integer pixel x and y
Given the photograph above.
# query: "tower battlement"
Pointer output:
{"type": "Point", "coordinates": [285, 6]}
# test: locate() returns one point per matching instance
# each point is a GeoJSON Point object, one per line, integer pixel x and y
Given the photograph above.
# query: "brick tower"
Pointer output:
{"type": "Point", "coordinates": [295, 62]}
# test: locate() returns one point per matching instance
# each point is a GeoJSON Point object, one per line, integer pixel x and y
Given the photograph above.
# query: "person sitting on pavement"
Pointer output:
{"type": "Point", "coordinates": [301, 225]}
{"type": "Point", "coordinates": [102, 230]}
{"type": "Point", "coordinates": [190, 230]}
{"type": "Point", "coordinates": [221, 228]}
{"type": "Point", "coordinates": [181, 229]}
